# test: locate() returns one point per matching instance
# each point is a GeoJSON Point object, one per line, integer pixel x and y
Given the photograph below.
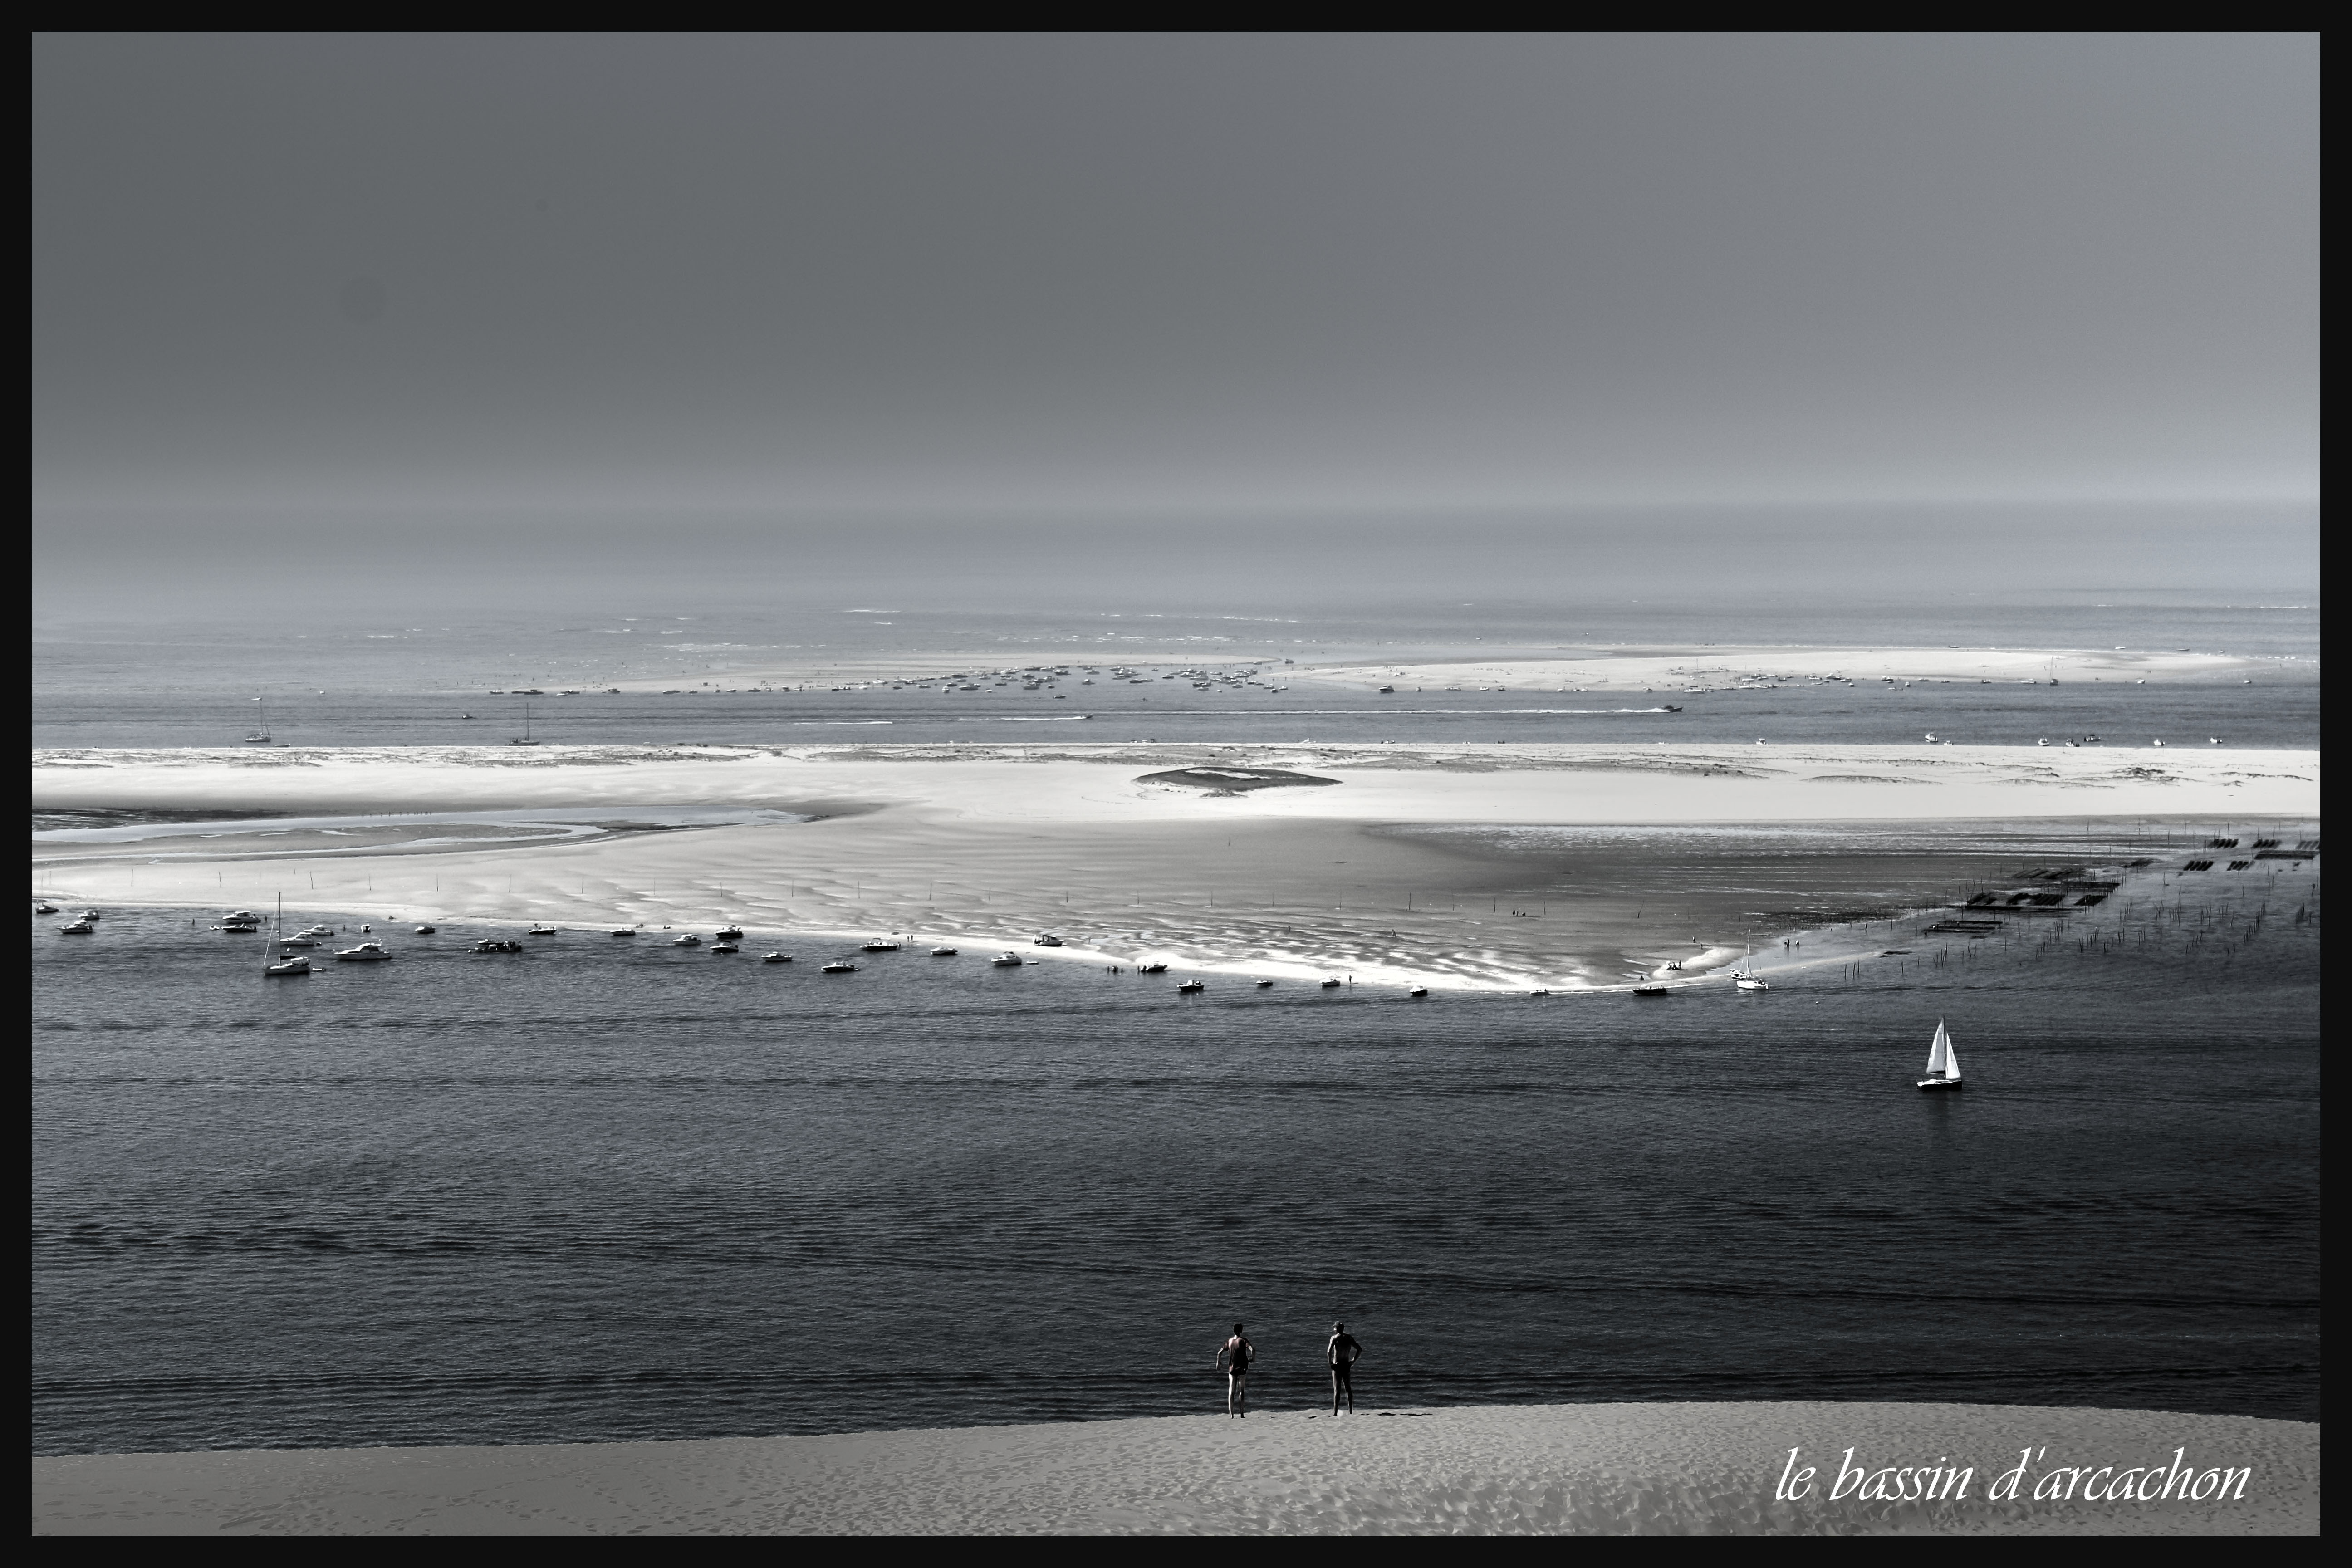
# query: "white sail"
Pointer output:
{"type": "Point", "coordinates": [1940, 1053]}
{"type": "Point", "coordinates": [1951, 1060]}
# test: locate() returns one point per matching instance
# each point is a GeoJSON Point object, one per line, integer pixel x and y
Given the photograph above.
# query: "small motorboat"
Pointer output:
{"type": "Point", "coordinates": [241, 915]}
{"type": "Point", "coordinates": [943, 953]}
{"type": "Point", "coordinates": [1752, 982]}
{"type": "Point", "coordinates": [1942, 1061]}
{"type": "Point", "coordinates": [1152, 969]}
{"type": "Point", "coordinates": [732, 933]}
{"type": "Point", "coordinates": [296, 941]}
{"type": "Point", "coordinates": [881, 944]}
{"type": "Point", "coordinates": [718, 947]}
{"type": "Point", "coordinates": [426, 929]}
{"type": "Point", "coordinates": [1265, 984]}
{"type": "Point", "coordinates": [840, 966]}
{"type": "Point", "coordinates": [543, 928]}
{"type": "Point", "coordinates": [311, 930]}
{"type": "Point", "coordinates": [1007, 961]}
{"type": "Point", "coordinates": [1539, 992]}
{"type": "Point", "coordinates": [1650, 988]}
{"type": "Point", "coordinates": [688, 939]}
{"type": "Point", "coordinates": [366, 953]}
{"type": "Point", "coordinates": [45, 909]}
{"type": "Point", "coordinates": [285, 966]}
{"type": "Point", "coordinates": [1188, 987]}
{"type": "Point", "coordinates": [77, 928]}
{"type": "Point", "coordinates": [498, 944]}
{"type": "Point", "coordinates": [1046, 939]}
{"type": "Point", "coordinates": [88, 915]}
{"type": "Point", "coordinates": [776, 958]}
{"type": "Point", "coordinates": [623, 930]}
{"type": "Point", "coordinates": [1387, 691]}
{"type": "Point", "coordinates": [1418, 990]}
{"type": "Point", "coordinates": [1330, 985]}
{"type": "Point", "coordinates": [242, 926]}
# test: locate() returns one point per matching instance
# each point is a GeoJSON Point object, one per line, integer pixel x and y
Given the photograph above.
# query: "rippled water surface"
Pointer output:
{"type": "Point", "coordinates": [607, 1190]}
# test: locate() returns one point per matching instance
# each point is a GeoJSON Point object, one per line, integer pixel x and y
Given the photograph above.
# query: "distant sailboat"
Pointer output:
{"type": "Point", "coordinates": [1942, 1061]}
{"type": "Point", "coordinates": [260, 736]}
{"type": "Point", "coordinates": [524, 738]}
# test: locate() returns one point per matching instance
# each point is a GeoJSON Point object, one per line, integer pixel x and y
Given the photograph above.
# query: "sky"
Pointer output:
{"type": "Point", "coordinates": [1256, 276]}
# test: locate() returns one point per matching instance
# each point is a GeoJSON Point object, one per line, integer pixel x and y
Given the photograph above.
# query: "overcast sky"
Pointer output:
{"type": "Point", "coordinates": [1133, 272]}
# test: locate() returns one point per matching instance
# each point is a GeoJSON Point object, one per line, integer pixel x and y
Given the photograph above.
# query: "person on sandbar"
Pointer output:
{"type": "Point", "coordinates": [1235, 1355]}
{"type": "Point", "coordinates": [1342, 1352]}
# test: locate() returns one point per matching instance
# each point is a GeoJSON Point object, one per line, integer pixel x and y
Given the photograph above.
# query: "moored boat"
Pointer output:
{"type": "Point", "coordinates": [1184, 988]}
{"type": "Point", "coordinates": [366, 953]}
{"type": "Point", "coordinates": [839, 966]}
{"type": "Point", "coordinates": [943, 953]}
{"type": "Point", "coordinates": [688, 939]}
{"type": "Point", "coordinates": [776, 958]}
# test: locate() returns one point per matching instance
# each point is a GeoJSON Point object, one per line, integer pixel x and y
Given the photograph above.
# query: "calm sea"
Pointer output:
{"type": "Point", "coordinates": [604, 1190]}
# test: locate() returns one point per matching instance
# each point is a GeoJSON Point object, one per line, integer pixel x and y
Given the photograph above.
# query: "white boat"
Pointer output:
{"type": "Point", "coordinates": [298, 964]}
{"type": "Point", "coordinates": [1265, 984]}
{"type": "Point", "coordinates": [1046, 939]}
{"type": "Point", "coordinates": [776, 958]}
{"type": "Point", "coordinates": [840, 966]}
{"type": "Point", "coordinates": [1745, 978]}
{"type": "Point", "coordinates": [688, 939]}
{"type": "Point", "coordinates": [881, 944]}
{"type": "Point", "coordinates": [1942, 1061]}
{"type": "Point", "coordinates": [314, 930]}
{"type": "Point", "coordinates": [1752, 982]}
{"type": "Point", "coordinates": [77, 928]}
{"type": "Point", "coordinates": [293, 942]}
{"type": "Point", "coordinates": [1190, 985]}
{"type": "Point", "coordinates": [366, 953]}
{"type": "Point", "coordinates": [498, 944]}
{"type": "Point", "coordinates": [1418, 990]}
{"type": "Point", "coordinates": [545, 930]}
{"type": "Point", "coordinates": [1007, 961]}
{"type": "Point", "coordinates": [245, 928]}
{"type": "Point", "coordinates": [426, 929]}
{"type": "Point", "coordinates": [45, 909]}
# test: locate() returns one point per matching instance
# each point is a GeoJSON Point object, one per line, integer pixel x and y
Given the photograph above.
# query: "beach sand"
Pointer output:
{"type": "Point", "coordinates": [992, 846]}
{"type": "Point", "coordinates": [1669, 1468]}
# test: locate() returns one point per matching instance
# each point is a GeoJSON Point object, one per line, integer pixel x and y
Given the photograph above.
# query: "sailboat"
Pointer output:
{"type": "Point", "coordinates": [1942, 1061]}
{"type": "Point", "coordinates": [273, 963]}
{"type": "Point", "coordinates": [260, 736]}
{"type": "Point", "coordinates": [524, 738]}
{"type": "Point", "coordinates": [1746, 977]}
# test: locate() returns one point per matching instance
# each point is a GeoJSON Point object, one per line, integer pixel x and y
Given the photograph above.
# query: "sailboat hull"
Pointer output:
{"type": "Point", "coordinates": [1939, 1083]}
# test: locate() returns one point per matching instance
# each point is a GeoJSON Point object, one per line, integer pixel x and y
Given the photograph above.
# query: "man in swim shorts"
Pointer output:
{"type": "Point", "coordinates": [1235, 1355]}
{"type": "Point", "coordinates": [1341, 1352]}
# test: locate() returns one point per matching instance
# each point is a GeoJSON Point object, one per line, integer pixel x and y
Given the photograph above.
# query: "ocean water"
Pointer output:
{"type": "Point", "coordinates": [610, 1190]}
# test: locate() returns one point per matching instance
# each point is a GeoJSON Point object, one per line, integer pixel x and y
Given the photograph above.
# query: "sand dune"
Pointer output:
{"type": "Point", "coordinates": [1589, 1469]}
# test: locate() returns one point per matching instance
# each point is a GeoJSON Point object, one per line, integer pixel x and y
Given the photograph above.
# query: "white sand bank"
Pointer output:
{"type": "Point", "coordinates": [1667, 670]}
{"type": "Point", "coordinates": [1594, 1468]}
{"type": "Point", "coordinates": [991, 846]}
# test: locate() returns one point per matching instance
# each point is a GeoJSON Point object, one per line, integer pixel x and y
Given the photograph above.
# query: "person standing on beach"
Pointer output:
{"type": "Point", "coordinates": [1342, 1352]}
{"type": "Point", "coordinates": [1235, 1355]}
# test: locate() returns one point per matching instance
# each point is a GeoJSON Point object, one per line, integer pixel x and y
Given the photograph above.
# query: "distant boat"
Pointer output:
{"type": "Point", "coordinates": [688, 939]}
{"type": "Point", "coordinates": [1651, 988]}
{"type": "Point", "coordinates": [882, 944]}
{"type": "Point", "coordinates": [524, 738]}
{"type": "Point", "coordinates": [366, 953]}
{"type": "Point", "coordinates": [943, 953]}
{"type": "Point", "coordinates": [426, 929]}
{"type": "Point", "coordinates": [1046, 939]}
{"type": "Point", "coordinates": [77, 928]}
{"type": "Point", "coordinates": [732, 933]}
{"type": "Point", "coordinates": [306, 931]}
{"type": "Point", "coordinates": [1745, 976]}
{"type": "Point", "coordinates": [718, 947]}
{"type": "Point", "coordinates": [1330, 985]}
{"type": "Point", "coordinates": [1151, 969]}
{"type": "Point", "coordinates": [1752, 982]}
{"type": "Point", "coordinates": [497, 944]}
{"type": "Point", "coordinates": [545, 930]}
{"type": "Point", "coordinates": [776, 958]}
{"type": "Point", "coordinates": [1942, 1061]}
{"type": "Point", "coordinates": [1387, 690]}
{"type": "Point", "coordinates": [1014, 961]}
{"type": "Point", "coordinates": [623, 930]}
{"type": "Point", "coordinates": [1190, 985]}
{"type": "Point", "coordinates": [260, 736]}
{"type": "Point", "coordinates": [302, 941]}
{"type": "Point", "coordinates": [1538, 992]}
{"type": "Point", "coordinates": [839, 966]}
{"type": "Point", "coordinates": [241, 926]}
{"type": "Point", "coordinates": [1418, 990]}
{"type": "Point", "coordinates": [45, 909]}
{"type": "Point", "coordinates": [298, 964]}
{"type": "Point", "coordinates": [1265, 984]}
